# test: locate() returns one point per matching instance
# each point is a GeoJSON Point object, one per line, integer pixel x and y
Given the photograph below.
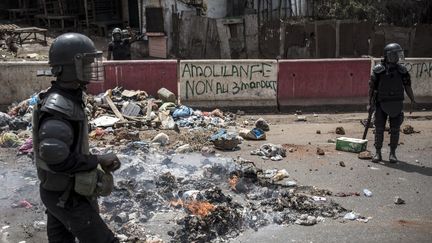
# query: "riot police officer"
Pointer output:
{"type": "Point", "coordinates": [119, 47]}
{"type": "Point", "coordinates": [70, 177]}
{"type": "Point", "coordinates": [388, 81]}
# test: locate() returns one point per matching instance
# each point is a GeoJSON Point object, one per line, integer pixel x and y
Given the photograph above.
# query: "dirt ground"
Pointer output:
{"type": "Point", "coordinates": [409, 179]}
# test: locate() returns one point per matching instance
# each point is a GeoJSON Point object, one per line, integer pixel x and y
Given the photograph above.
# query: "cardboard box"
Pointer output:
{"type": "Point", "coordinates": [351, 144]}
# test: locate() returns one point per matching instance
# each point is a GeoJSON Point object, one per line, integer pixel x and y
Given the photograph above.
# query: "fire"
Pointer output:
{"type": "Point", "coordinates": [233, 182]}
{"type": "Point", "coordinates": [200, 208]}
{"type": "Point", "coordinates": [195, 207]}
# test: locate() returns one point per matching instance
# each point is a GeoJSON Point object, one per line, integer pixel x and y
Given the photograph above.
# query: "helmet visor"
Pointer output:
{"type": "Point", "coordinates": [395, 56]}
{"type": "Point", "coordinates": [89, 67]}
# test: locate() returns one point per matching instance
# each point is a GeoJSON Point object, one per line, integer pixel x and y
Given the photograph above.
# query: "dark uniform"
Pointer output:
{"type": "Point", "coordinates": [389, 80]}
{"type": "Point", "coordinates": [119, 48]}
{"type": "Point", "coordinates": [71, 178]}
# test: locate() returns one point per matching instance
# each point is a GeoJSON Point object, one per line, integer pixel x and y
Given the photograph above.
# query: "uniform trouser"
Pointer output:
{"type": "Point", "coordinates": [380, 122]}
{"type": "Point", "coordinates": [79, 218]}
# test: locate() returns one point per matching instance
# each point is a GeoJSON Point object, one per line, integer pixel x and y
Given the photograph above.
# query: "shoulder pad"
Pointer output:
{"type": "Point", "coordinates": [57, 104]}
{"type": "Point", "coordinates": [402, 69]}
{"type": "Point", "coordinates": [379, 68]}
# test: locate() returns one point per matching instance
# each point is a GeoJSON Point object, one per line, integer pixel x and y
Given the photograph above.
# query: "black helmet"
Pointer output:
{"type": "Point", "coordinates": [74, 57]}
{"type": "Point", "coordinates": [116, 34]}
{"type": "Point", "coordinates": [393, 53]}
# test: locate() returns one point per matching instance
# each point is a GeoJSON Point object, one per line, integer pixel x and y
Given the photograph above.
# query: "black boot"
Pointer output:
{"type": "Point", "coordinates": [392, 156]}
{"type": "Point", "coordinates": [377, 156]}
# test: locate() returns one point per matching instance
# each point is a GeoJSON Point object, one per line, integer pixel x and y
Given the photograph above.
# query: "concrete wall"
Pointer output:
{"type": "Point", "coordinates": [323, 81]}
{"type": "Point", "coordinates": [228, 83]}
{"type": "Point", "coordinates": [148, 76]}
{"type": "Point", "coordinates": [18, 80]}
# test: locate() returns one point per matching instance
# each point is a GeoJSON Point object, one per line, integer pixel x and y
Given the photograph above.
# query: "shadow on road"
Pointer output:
{"type": "Point", "coordinates": [407, 167]}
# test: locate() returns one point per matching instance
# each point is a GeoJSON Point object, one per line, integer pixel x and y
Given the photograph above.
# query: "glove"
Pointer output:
{"type": "Point", "coordinates": [109, 162]}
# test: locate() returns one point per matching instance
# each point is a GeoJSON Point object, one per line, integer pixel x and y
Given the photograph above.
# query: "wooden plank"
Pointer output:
{"type": "Point", "coordinates": [251, 35]}
{"type": "Point", "coordinates": [114, 108]}
{"type": "Point", "coordinates": [224, 36]}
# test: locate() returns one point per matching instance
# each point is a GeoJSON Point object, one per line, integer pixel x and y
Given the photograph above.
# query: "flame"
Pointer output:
{"type": "Point", "coordinates": [233, 182]}
{"type": "Point", "coordinates": [200, 208]}
{"type": "Point", "coordinates": [194, 207]}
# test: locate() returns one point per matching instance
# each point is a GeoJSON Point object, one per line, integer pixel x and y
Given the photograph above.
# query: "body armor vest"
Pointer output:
{"type": "Point", "coordinates": [121, 50]}
{"type": "Point", "coordinates": [390, 86]}
{"type": "Point", "coordinates": [56, 104]}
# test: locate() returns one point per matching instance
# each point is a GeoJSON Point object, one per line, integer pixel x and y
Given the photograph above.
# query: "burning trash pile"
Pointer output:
{"type": "Point", "coordinates": [204, 199]}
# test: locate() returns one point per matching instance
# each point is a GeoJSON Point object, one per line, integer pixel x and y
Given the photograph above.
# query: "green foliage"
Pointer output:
{"type": "Point", "coordinates": [397, 12]}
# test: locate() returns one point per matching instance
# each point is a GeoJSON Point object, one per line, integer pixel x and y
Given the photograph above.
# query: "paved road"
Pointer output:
{"type": "Point", "coordinates": [410, 179]}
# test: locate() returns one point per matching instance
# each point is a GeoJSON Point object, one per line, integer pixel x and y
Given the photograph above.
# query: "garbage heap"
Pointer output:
{"type": "Point", "coordinates": [201, 198]}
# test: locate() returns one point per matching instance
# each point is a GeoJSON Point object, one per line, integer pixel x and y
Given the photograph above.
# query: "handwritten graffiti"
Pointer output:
{"type": "Point", "coordinates": [233, 70]}
{"type": "Point", "coordinates": [218, 80]}
{"type": "Point", "coordinates": [204, 87]}
{"type": "Point", "coordinates": [419, 70]}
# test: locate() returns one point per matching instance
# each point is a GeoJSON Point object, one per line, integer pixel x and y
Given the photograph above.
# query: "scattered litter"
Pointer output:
{"type": "Point", "coordinates": [39, 225]}
{"type": "Point", "coordinates": [9, 140]}
{"type": "Point", "coordinates": [280, 175]}
{"type": "Point", "coordinates": [166, 96]}
{"type": "Point", "coordinates": [27, 147]}
{"type": "Point", "coordinates": [253, 134]}
{"type": "Point", "coordinates": [342, 164]}
{"type": "Point", "coordinates": [320, 151]}
{"type": "Point", "coordinates": [331, 140]}
{"type": "Point", "coordinates": [262, 124]}
{"type": "Point", "coordinates": [408, 129]}
{"type": "Point", "coordinates": [161, 138]}
{"type": "Point", "coordinates": [130, 109]}
{"type": "Point", "coordinates": [207, 151]}
{"type": "Point", "coordinates": [306, 220]}
{"type": "Point", "coordinates": [399, 200]}
{"type": "Point", "coordinates": [319, 199]}
{"type": "Point", "coordinates": [318, 131]}
{"type": "Point", "coordinates": [291, 183]}
{"type": "Point", "coordinates": [374, 168]}
{"type": "Point", "coordinates": [366, 155]}
{"type": "Point", "coordinates": [346, 194]}
{"type": "Point", "coordinates": [351, 216]}
{"type": "Point", "coordinates": [22, 204]}
{"type": "Point", "coordinates": [4, 119]}
{"type": "Point", "coordinates": [301, 118]}
{"type": "Point", "coordinates": [367, 193]}
{"type": "Point", "coordinates": [340, 131]}
{"type": "Point", "coordinates": [105, 121]}
{"type": "Point", "coordinates": [183, 149]}
{"type": "Point", "coordinates": [225, 140]}
{"type": "Point", "coordinates": [351, 144]}
{"type": "Point", "coordinates": [182, 111]}
{"type": "Point", "coordinates": [269, 150]}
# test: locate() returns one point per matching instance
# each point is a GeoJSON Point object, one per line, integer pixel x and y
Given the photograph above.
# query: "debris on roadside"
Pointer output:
{"type": "Point", "coordinates": [346, 194]}
{"type": "Point", "coordinates": [342, 164]}
{"type": "Point", "coordinates": [367, 193]}
{"type": "Point", "coordinates": [340, 131]}
{"type": "Point", "coordinates": [399, 200]}
{"type": "Point", "coordinates": [351, 144]}
{"type": "Point", "coordinates": [318, 131]}
{"type": "Point", "coordinates": [253, 134]}
{"type": "Point", "coordinates": [301, 118]}
{"type": "Point", "coordinates": [320, 151]}
{"type": "Point", "coordinates": [262, 124]}
{"type": "Point", "coordinates": [366, 155]}
{"type": "Point", "coordinates": [408, 129]}
{"type": "Point", "coordinates": [270, 151]}
{"type": "Point", "coordinates": [225, 140]}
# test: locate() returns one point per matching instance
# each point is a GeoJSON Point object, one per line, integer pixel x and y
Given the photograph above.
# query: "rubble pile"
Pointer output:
{"type": "Point", "coordinates": [212, 198]}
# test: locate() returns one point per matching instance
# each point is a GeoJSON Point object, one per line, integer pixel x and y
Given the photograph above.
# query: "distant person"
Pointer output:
{"type": "Point", "coordinates": [119, 47]}
{"type": "Point", "coordinates": [389, 80]}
